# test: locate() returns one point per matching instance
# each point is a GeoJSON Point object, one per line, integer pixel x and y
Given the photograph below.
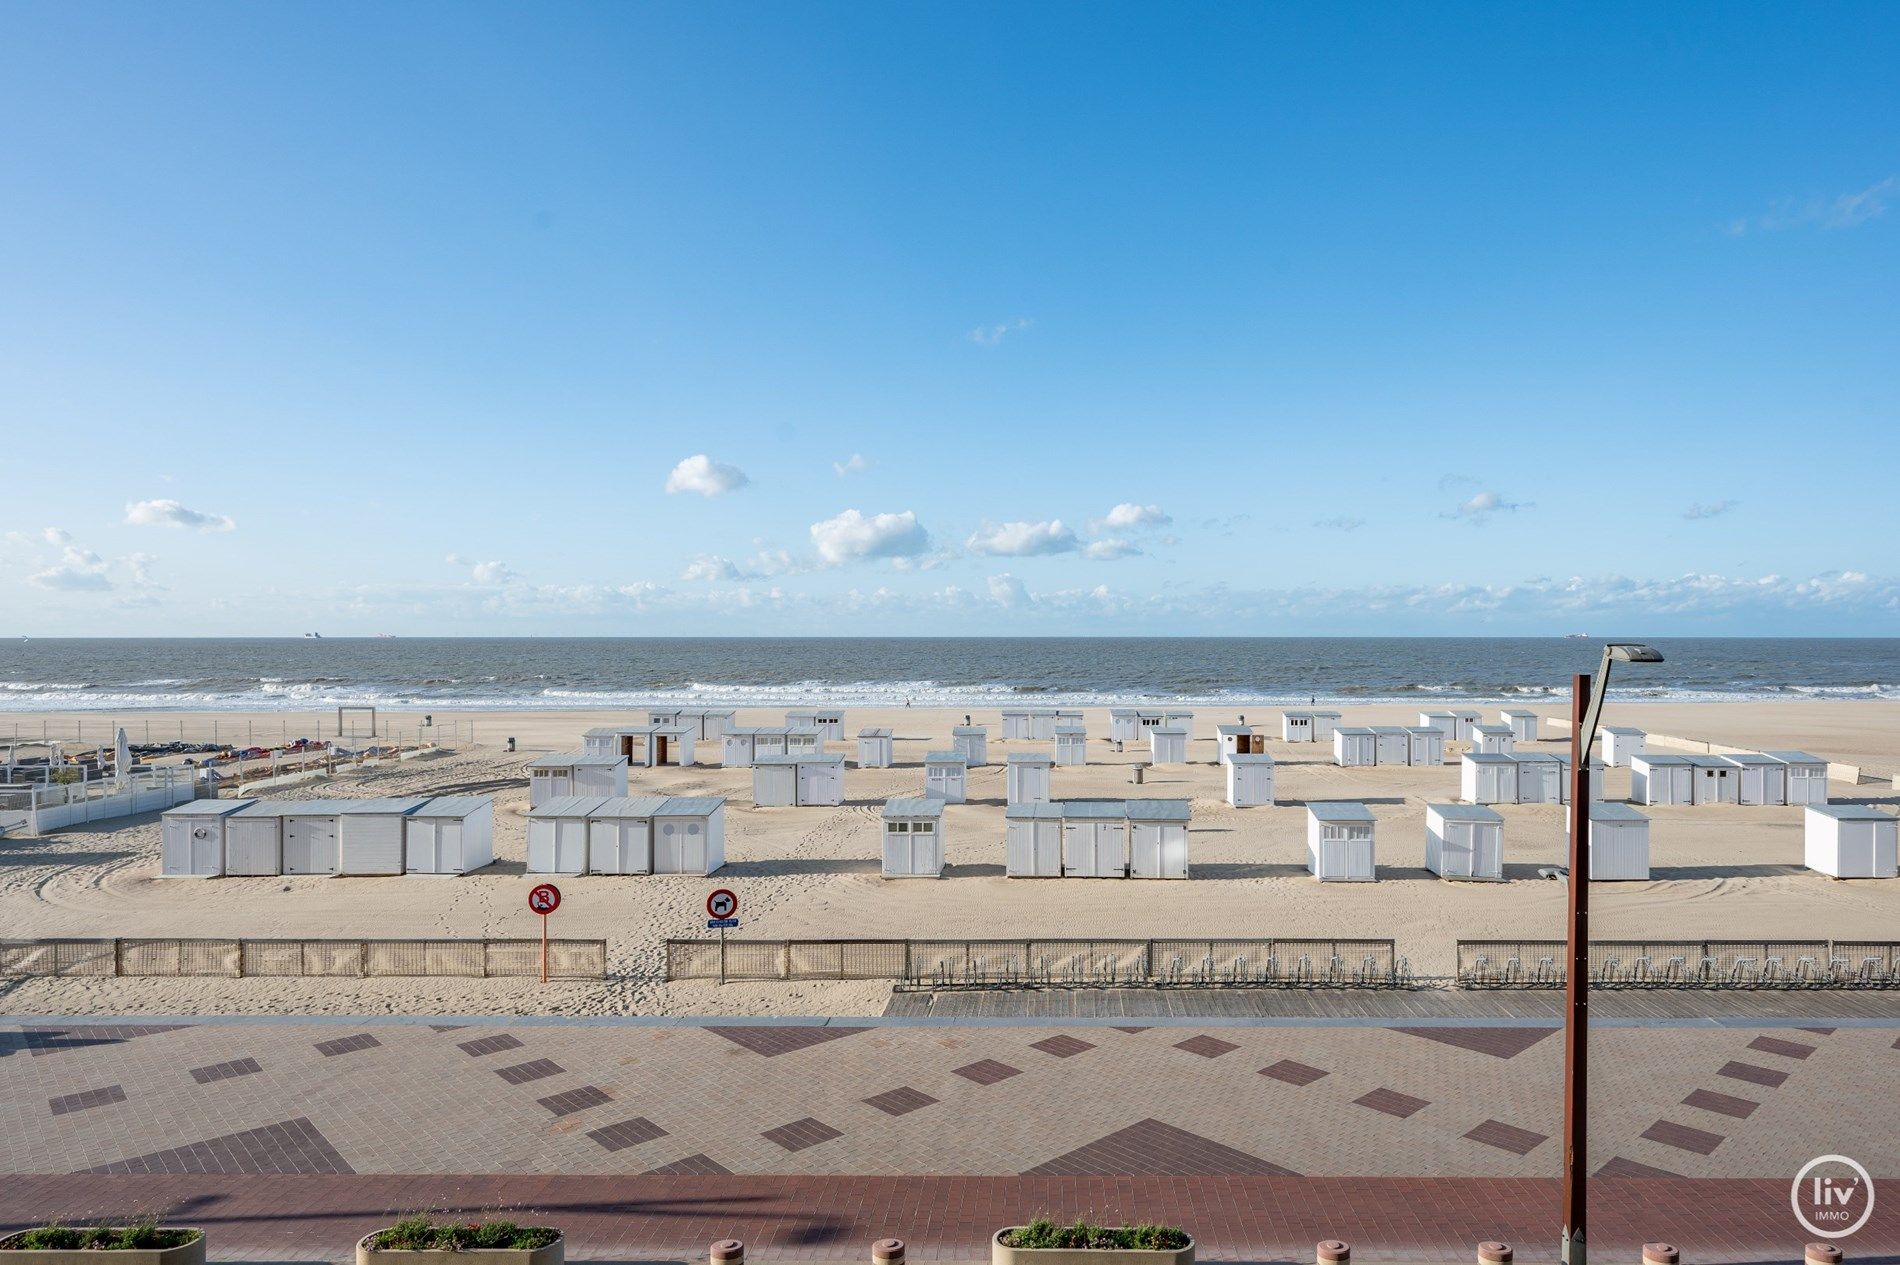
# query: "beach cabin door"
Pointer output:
{"type": "Point", "coordinates": [251, 845]}
{"type": "Point", "coordinates": [1454, 856]}
{"type": "Point", "coordinates": [433, 845]}
{"type": "Point", "coordinates": [1713, 785]}
{"type": "Point", "coordinates": [679, 847]}
{"type": "Point", "coordinates": [310, 845]}
{"type": "Point", "coordinates": [1094, 849]}
{"type": "Point", "coordinates": [1158, 851]}
{"type": "Point", "coordinates": [1345, 852]}
{"type": "Point", "coordinates": [618, 845]}
{"type": "Point", "coordinates": [820, 783]}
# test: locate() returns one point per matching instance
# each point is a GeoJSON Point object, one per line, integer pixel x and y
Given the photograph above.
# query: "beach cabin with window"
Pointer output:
{"type": "Point", "coordinates": [1716, 780]}
{"type": "Point", "coordinates": [1807, 776]}
{"type": "Point", "coordinates": [1662, 779]}
{"type": "Point", "coordinates": [370, 835]}
{"type": "Point", "coordinates": [1443, 721]}
{"type": "Point", "coordinates": [1177, 718]}
{"type": "Point", "coordinates": [1232, 740]}
{"type": "Point", "coordinates": [874, 749]}
{"type": "Point", "coordinates": [689, 834]}
{"type": "Point", "coordinates": [1094, 838]}
{"type": "Point", "coordinates": [946, 776]}
{"type": "Point", "coordinates": [1621, 744]}
{"type": "Point", "coordinates": [1355, 747]}
{"type": "Point", "coordinates": [450, 834]}
{"type": "Point", "coordinates": [1124, 724]}
{"type": "Point", "coordinates": [571, 773]}
{"type": "Point", "coordinates": [1523, 724]}
{"type": "Point", "coordinates": [1339, 843]}
{"type": "Point", "coordinates": [1071, 745]}
{"type": "Point", "coordinates": [973, 743]}
{"type": "Point", "coordinates": [709, 724]}
{"type": "Point", "coordinates": [1250, 780]}
{"type": "Point", "coordinates": [1852, 841]}
{"type": "Point", "coordinates": [1032, 845]}
{"type": "Point", "coordinates": [191, 837]}
{"type": "Point", "coordinates": [1391, 745]}
{"type": "Point", "coordinates": [741, 745]}
{"type": "Point", "coordinates": [1763, 779]}
{"type": "Point", "coordinates": [1296, 726]}
{"type": "Point", "coordinates": [1158, 838]}
{"type": "Point", "coordinates": [557, 834]}
{"type": "Point", "coordinates": [1060, 716]}
{"type": "Point", "coordinates": [1167, 744]}
{"type": "Point", "coordinates": [798, 781]}
{"type": "Point", "coordinates": [1493, 739]}
{"type": "Point", "coordinates": [620, 834]}
{"type": "Point", "coordinates": [1464, 841]}
{"type": "Point", "coordinates": [254, 839]}
{"type": "Point", "coordinates": [913, 838]}
{"type": "Point", "coordinates": [1619, 843]}
{"type": "Point", "coordinates": [1425, 746]}
{"type": "Point", "coordinates": [1468, 719]}
{"type": "Point", "coordinates": [1487, 779]}
{"type": "Point", "coordinates": [804, 741]}
{"type": "Point", "coordinates": [606, 740]}
{"type": "Point", "coordinates": [1026, 777]}
{"type": "Point", "coordinates": [828, 721]}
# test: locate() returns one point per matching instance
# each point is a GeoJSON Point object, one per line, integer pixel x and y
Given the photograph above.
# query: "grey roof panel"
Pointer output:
{"type": "Point", "coordinates": [1464, 812]}
{"type": "Point", "coordinates": [912, 808]}
{"type": "Point", "coordinates": [1341, 811]}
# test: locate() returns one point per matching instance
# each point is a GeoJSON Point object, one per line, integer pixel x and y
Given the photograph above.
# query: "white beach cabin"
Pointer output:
{"type": "Point", "coordinates": [1355, 747]}
{"type": "Point", "coordinates": [1045, 726]}
{"type": "Point", "coordinates": [1032, 846]}
{"type": "Point", "coordinates": [1852, 841]}
{"type": "Point", "coordinates": [1232, 740]}
{"type": "Point", "coordinates": [1763, 779]}
{"type": "Point", "coordinates": [557, 834]}
{"type": "Point", "coordinates": [1158, 838]}
{"type": "Point", "coordinates": [1128, 724]}
{"type": "Point", "coordinates": [1094, 838]}
{"type": "Point", "coordinates": [1071, 744]}
{"type": "Point", "coordinates": [1540, 778]}
{"type": "Point", "coordinates": [1487, 779]}
{"type": "Point", "coordinates": [1807, 776]}
{"type": "Point", "coordinates": [689, 834]}
{"type": "Point", "coordinates": [1339, 843]}
{"type": "Point", "coordinates": [1016, 724]}
{"type": "Point", "coordinates": [1296, 726]}
{"type": "Point", "coordinates": [973, 743]}
{"type": "Point", "coordinates": [606, 740]}
{"type": "Point", "coordinates": [741, 745]}
{"type": "Point", "coordinates": [1468, 719]}
{"type": "Point", "coordinates": [801, 781]}
{"type": "Point", "coordinates": [191, 837]}
{"type": "Point", "coordinates": [1425, 746]}
{"type": "Point", "coordinates": [1619, 843]}
{"type": "Point", "coordinates": [1391, 744]}
{"type": "Point", "coordinates": [1167, 744]}
{"type": "Point", "coordinates": [1493, 739]}
{"type": "Point", "coordinates": [1621, 744]}
{"type": "Point", "coordinates": [1716, 780]}
{"type": "Point", "coordinates": [450, 834]}
{"type": "Point", "coordinates": [1464, 841]}
{"type": "Point", "coordinates": [370, 835]}
{"type": "Point", "coordinates": [913, 838]}
{"type": "Point", "coordinates": [1250, 780]}
{"type": "Point", "coordinates": [310, 829]}
{"type": "Point", "coordinates": [1563, 764]}
{"type": "Point", "coordinates": [946, 776]}
{"type": "Point", "coordinates": [709, 724]}
{"type": "Point", "coordinates": [1662, 779]}
{"type": "Point", "coordinates": [1523, 724]}
{"type": "Point", "coordinates": [620, 834]}
{"type": "Point", "coordinates": [668, 744]}
{"type": "Point", "coordinates": [1026, 777]}
{"type": "Point", "coordinates": [254, 840]}
{"type": "Point", "coordinates": [1443, 721]}
{"type": "Point", "coordinates": [874, 748]}
{"type": "Point", "coordinates": [828, 721]}
{"type": "Point", "coordinates": [571, 773]}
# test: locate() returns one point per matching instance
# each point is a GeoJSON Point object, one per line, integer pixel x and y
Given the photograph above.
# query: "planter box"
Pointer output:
{"type": "Point", "coordinates": [192, 1253]}
{"type": "Point", "coordinates": [1000, 1255]}
{"type": "Point", "coordinates": [553, 1254]}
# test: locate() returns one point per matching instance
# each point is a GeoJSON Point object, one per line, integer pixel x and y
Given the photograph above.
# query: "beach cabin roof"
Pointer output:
{"type": "Point", "coordinates": [1536, 757]}
{"type": "Point", "coordinates": [1515, 711]}
{"type": "Point", "coordinates": [1340, 812]}
{"type": "Point", "coordinates": [691, 805]}
{"type": "Point", "coordinates": [1229, 730]}
{"type": "Point", "coordinates": [209, 807]}
{"type": "Point", "coordinates": [577, 760]}
{"type": "Point", "coordinates": [1168, 729]}
{"type": "Point", "coordinates": [1752, 757]}
{"type": "Point", "coordinates": [1440, 712]}
{"type": "Point", "coordinates": [964, 731]}
{"type": "Point", "coordinates": [1603, 810]}
{"type": "Point", "coordinates": [1396, 729]}
{"type": "Point", "coordinates": [1159, 810]}
{"type": "Point", "coordinates": [1850, 812]}
{"type": "Point", "coordinates": [302, 807]}
{"type": "Point", "coordinates": [1466, 812]}
{"type": "Point", "coordinates": [377, 807]}
{"type": "Point", "coordinates": [1071, 728]}
{"type": "Point", "coordinates": [1796, 757]}
{"type": "Point", "coordinates": [1296, 713]}
{"type": "Point", "coordinates": [628, 806]}
{"type": "Point", "coordinates": [1029, 757]}
{"type": "Point", "coordinates": [602, 731]}
{"type": "Point", "coordinates": [1323, 712]}
{"type": "Point", "coordinates": [900, 808]}
{"type": "Point", "coordinates": [1653, 759]}
{"type": "Point", "coordinates": [1620, 729]}
{"type": "Point", "coordinates": [874, 733]}
{"type": "Point", "coordinates": [1254, 757]}
{"type": "Point", "coordinates": [1708, 761]}
{"type": "Point", "coordinates": [1492, 731]}
{"type": "Point", "coordinates": [569, 806]}
{"type": "Point", "coordinates": [945, 757]}
{"type": "Point", "coordinates": [800, 757]}
{"type": "Point", "coordinates": [1495, 757]}
{"type": "Point", "coordinates": [1093, 809]}
{"type": "Point", "coordinates": [756, 730]}
{"type": "Point", "coordinates": [1034, 812]}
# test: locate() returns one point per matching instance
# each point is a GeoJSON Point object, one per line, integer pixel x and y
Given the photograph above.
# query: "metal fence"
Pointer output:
{"type": "Point", "coordinates": [1059, 963]}
{"type": "Point", "coordinates": [1684, 963]}
{"type": "Point", "coordinates": [238, 959]}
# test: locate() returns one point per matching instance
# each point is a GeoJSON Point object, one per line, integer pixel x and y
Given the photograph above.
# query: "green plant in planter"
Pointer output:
{"type": "Point", "coordinates": [419, 1234]}
{"type": "Point", "coordinates": [1044, 1233]}
{"type": "Point", "coordinates": [142, 1235]}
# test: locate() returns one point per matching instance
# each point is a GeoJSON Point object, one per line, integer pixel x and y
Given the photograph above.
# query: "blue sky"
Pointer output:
{"type": "Point", "coordinates": [1382, 319]}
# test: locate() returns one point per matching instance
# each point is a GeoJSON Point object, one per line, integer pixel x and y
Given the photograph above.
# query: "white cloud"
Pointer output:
{"type": "Point", "coordinates": [169, 513]}
{"type": "Point", "coordinates": [854, 537]}
{"type": "Point", "coordinates": [1481, 507]}
{"type": "Point", "coordinates": [78, 570]}
{"type": "Point", "coordinates": [993, 335]}
{"type": "Point", "coordinates": [1007, 590]}
{"type": "Point", "coordinates": [1129, 516]}
{"type": "Point", "coordinates": [854, 464]}
{"type": "Point", "coordinates": [1711, 510]}
{"type": "Point", "coordinates": [700, 473]}
{"type": "Point", "coordinates": [1840, 211]}
{"type": "Point", "coordinates": [492, 573]}
{"type": "Point", "coordinates": [1022, 540]}
{"type": "Point", "coordinates": [1342, 523]}
{"type": "Point", "coordinates": [710, 568]}
{"type": "Point", "coordinates": [1110, 549]}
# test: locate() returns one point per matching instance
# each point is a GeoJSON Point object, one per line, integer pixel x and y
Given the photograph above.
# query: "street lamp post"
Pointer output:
{"type": "Point", "coordinates": [1586, 708]}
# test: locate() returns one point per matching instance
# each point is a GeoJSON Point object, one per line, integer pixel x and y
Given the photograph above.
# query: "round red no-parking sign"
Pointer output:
{"type": "Point", "coordinates": [723, 903]}
{"type": "Point", "coordinates": [544, 899]}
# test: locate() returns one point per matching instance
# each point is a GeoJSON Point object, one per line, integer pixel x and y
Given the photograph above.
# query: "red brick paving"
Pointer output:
{"type": "Point", "coordinates": [1713, 1221]}
{"type": "Point", "coordinates": [1391, 1102]}
{"type": "Point", "coordinates": [1292, 1072]}
{"type": "Point", "coordinates": [1152, 1148]}
{"type": "Point", "coordinates": [1061, 1045]}
{"type": "Point", "coordinates": [1683, 1137]}
{"type": "Point", "coordinates": [1507, 1137]}
{"type": "Point", "coordinates": [1504, 1043]}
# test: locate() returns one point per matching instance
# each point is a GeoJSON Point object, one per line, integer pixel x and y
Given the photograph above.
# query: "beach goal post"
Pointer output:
{"type": "Point", "coordinates": [341, 714]}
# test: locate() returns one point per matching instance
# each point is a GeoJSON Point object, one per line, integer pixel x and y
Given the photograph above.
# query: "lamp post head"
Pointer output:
{"type": "Point", "coordinates": [1633, 652]}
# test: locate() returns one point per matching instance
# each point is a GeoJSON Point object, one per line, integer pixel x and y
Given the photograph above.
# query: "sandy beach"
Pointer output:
{"type": "Point", "coordinates": [814, 872]}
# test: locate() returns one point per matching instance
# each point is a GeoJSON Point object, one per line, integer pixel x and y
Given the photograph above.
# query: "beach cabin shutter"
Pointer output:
{"type": "Point", "coordinates": [253, 844]}
{"type": "Point", "coordinates": [310, 845]}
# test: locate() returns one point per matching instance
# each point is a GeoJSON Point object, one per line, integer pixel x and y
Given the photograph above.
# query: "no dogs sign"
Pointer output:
{"type": "Point", "coordinates": [723, 903]}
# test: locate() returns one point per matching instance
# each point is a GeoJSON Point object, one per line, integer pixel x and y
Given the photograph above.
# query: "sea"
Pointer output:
{"type": "Point", "coordinates": [301, 673]}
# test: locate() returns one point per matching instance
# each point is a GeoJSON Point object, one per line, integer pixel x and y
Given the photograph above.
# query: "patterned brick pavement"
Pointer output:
{"type": "Point", "coordinates": [792, 1100]}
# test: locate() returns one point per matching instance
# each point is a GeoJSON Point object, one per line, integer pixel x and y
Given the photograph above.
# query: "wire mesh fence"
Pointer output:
{"type": "Point", "coordinates": [1684, 964]}
{"type": "Point", "coordinates": [1073, 963]}
{"type": "Point", "coordinates": [238, 959]}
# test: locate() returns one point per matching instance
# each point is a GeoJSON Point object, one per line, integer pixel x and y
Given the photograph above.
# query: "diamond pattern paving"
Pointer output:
{"type": "Point", "coordinates": [691, 1166]}
{"type": "Point", "coordinates": [1722, 1104]}
{"type": "Point", "coordinates": [1392, 1103]}
{"type": "Point", "coordinates": [1062, 1045]}
{"type": "Point", "coordinates": [618, 1137]}
{"type": "Point", "coordinates": [66, 1103]}
{"type": "Point", "coordinates": [532, 1070]}
{"type": "Point", "coordinates": [1620, 1167]}
{"type": "Point", "coordinates": [1205, 1046]}
{"type": "Point", "coordinates": [490, 1045]}
{"type": "Point", "coordinates": [567, 1102]}
{"type": "Point", "coordinates": [1786, 1049]}
{"type": "Point", "coordinates": [900, 1101]}
{"type": "Point", "coordinates": [1151, 1148]}
{"type": "Point", "coordinates": [1504, 1043]}
{"type": "Point", "coordinates": [294, 1146]}
{"type": "Point", "coordinates": [800, 1134]}
{"type": "Point", "coordinates": [347, 1045]}
{"type": "Point", "coordinates": [1292, 1073]}
{"type": "Point", "coordinates": [774, 1041]}
{"type": "Point", "coordinates": [1506, 1137]}
{"type": "Point", "coordinates": [1754, 1075]}
{"type": "Point", "coordinates": [986, 1071]}
{"type": "Point", "coordinates": [1683, 1137]}
{"type": "Point", "coordinates": [225, 1071]}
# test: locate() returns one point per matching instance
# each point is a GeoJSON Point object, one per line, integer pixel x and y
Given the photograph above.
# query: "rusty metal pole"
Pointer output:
{"type": "Point", "coordinates": [1577, 986]}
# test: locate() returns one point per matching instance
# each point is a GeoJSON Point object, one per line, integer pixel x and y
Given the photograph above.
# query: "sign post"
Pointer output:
{"type": "Point", "coordinates": [544, 899]}
{"type": "Point", "coordinates": [722, 911]}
